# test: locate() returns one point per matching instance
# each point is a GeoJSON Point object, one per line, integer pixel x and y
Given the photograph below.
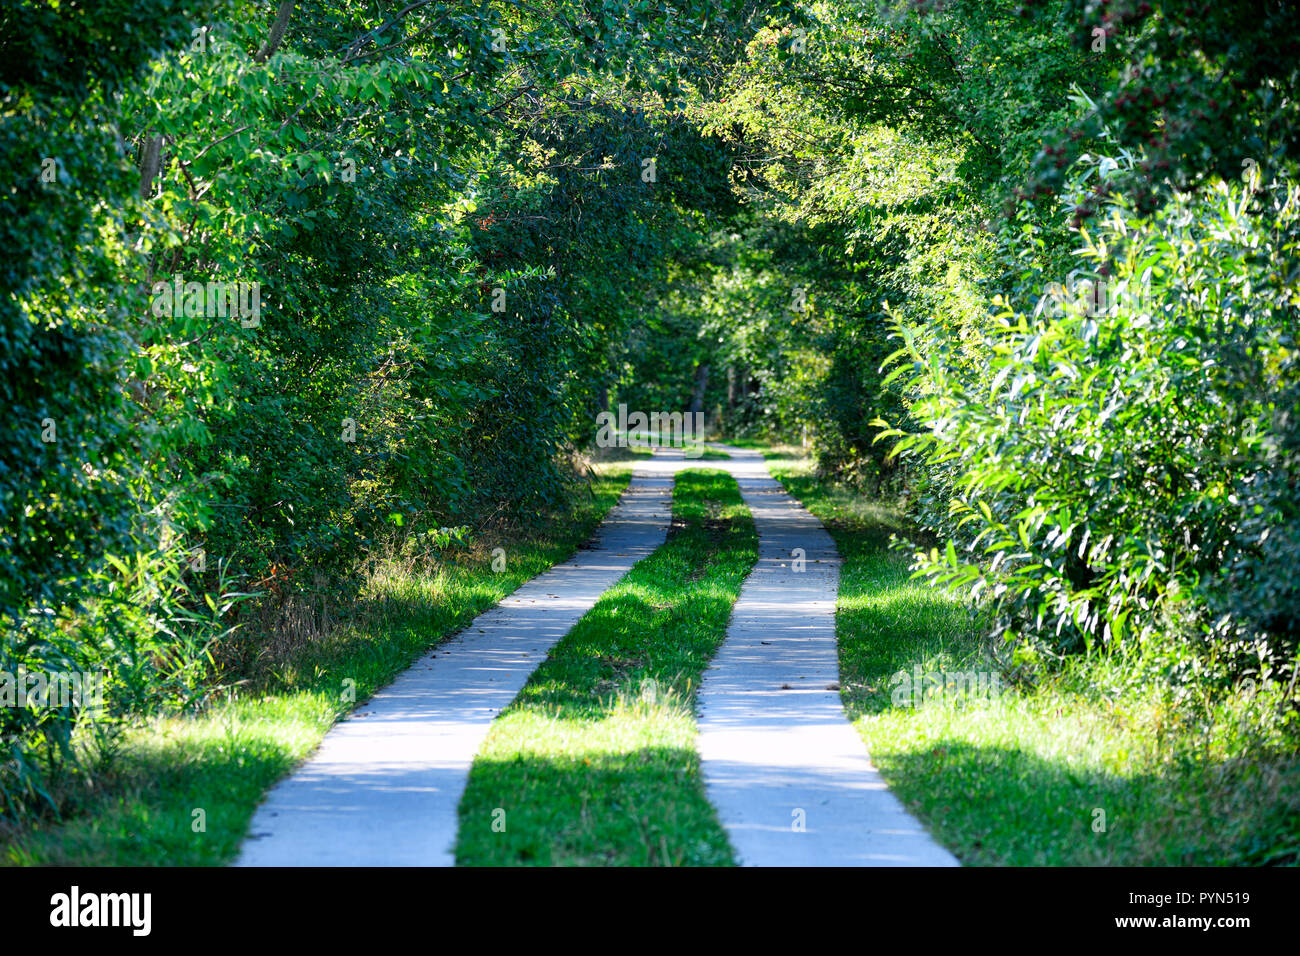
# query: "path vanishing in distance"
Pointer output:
{"type": "Point", "coordinates": [789, 776]}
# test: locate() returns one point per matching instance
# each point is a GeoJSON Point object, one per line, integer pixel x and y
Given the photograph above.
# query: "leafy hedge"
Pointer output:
{"type": "Point", "coordinates": [1126, 463]}
{"type": "Point", "coordinates": [934, 175]}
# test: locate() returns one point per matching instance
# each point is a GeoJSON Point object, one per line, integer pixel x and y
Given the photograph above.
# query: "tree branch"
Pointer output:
{"type": "Point", "coordinates": [149, 163]}
{"type": "Point", "coordinates": [281, 24]}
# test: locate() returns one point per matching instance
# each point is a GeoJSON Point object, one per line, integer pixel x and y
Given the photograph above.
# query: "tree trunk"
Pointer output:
{"type": "Point", "coordinates": [150, 160]}
{"type": "Point", "coordinates": [701, 386]}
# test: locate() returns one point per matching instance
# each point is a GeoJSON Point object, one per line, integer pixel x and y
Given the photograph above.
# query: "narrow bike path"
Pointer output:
{"type": "Point", "coordinates": [788, 774]}
{"type": "Point", "coordinates": [383, 788]}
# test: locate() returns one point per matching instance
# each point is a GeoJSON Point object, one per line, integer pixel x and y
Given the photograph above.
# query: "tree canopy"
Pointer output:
{"type": "Point", "coordinates": [284, 284]}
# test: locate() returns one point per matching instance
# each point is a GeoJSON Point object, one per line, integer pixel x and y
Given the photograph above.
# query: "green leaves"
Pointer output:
{"type": "Point", "coordinates": [376, 180]}
{"type": "Point", "coordinates": [1100, 451]}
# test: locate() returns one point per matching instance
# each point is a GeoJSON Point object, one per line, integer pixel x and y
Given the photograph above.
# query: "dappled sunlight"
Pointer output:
{"type": "Point", "coordinates": [612, 730]}
{"type": "Point", "coordinates": [425, 727]}
{"type": "Point", "coordinates": [556, 399]}
{"type": "Point", "coordinates": [1026, 785]}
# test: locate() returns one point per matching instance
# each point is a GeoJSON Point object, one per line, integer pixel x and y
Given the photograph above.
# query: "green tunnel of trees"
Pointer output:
{"type": "Point", "coordinates": [284, 283]}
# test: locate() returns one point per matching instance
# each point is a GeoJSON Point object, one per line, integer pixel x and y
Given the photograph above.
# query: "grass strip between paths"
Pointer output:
{"type": "Point", "coordinates": [595, 762]}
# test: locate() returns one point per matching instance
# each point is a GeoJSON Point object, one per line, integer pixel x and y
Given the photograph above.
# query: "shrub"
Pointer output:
{"type": "Point", "coordinates": [1126, 464]}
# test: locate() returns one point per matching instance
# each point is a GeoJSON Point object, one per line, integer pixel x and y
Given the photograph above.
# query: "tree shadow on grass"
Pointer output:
{"type": "Point", "coordinates": [998, 805]}
{"type": "Point", "coordinates": [141, 810]}
{"type": "Point", "coordinates": [623, 676]}
{"type": "Point", "coordinates": [639, 807]}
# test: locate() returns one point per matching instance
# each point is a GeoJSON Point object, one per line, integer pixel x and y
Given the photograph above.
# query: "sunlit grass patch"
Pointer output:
{"type": "Point", "coordinates": [594, 763]}
{"type": "Point", "coordinates": [1087, 766]}
{"type": "Point", "coordinates": [141, 810]}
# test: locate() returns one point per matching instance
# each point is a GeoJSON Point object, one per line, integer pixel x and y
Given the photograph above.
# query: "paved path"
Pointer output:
{"type": "Point", "coordinates": [383, 788]}
{"type": "Point", "coordinates": [787, 772]}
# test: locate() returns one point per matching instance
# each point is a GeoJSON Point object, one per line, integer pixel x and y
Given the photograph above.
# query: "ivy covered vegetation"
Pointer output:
{"type": "Point", "coordinates": [292, 292]}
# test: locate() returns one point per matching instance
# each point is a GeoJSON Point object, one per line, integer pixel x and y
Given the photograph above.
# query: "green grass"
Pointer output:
{"type": "Point", "coordinates": [595, 763]}
{"type": "Point", "coordinates": [141, 808]}
{"type": "Point", "coordinates": [1023, 777]}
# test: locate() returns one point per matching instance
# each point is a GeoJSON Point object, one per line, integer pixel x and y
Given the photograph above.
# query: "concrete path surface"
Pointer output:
{"type": "Point", "coordinates": [788, 774]}
{"type": "Point", "coordinates": [383, 788]}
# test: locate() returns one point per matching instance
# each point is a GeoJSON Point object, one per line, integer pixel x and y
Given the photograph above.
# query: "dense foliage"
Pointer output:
{"type": "Point", "coordinates": [284, 285]}
{"type": "Point", "coordinates": [1078, 221]}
